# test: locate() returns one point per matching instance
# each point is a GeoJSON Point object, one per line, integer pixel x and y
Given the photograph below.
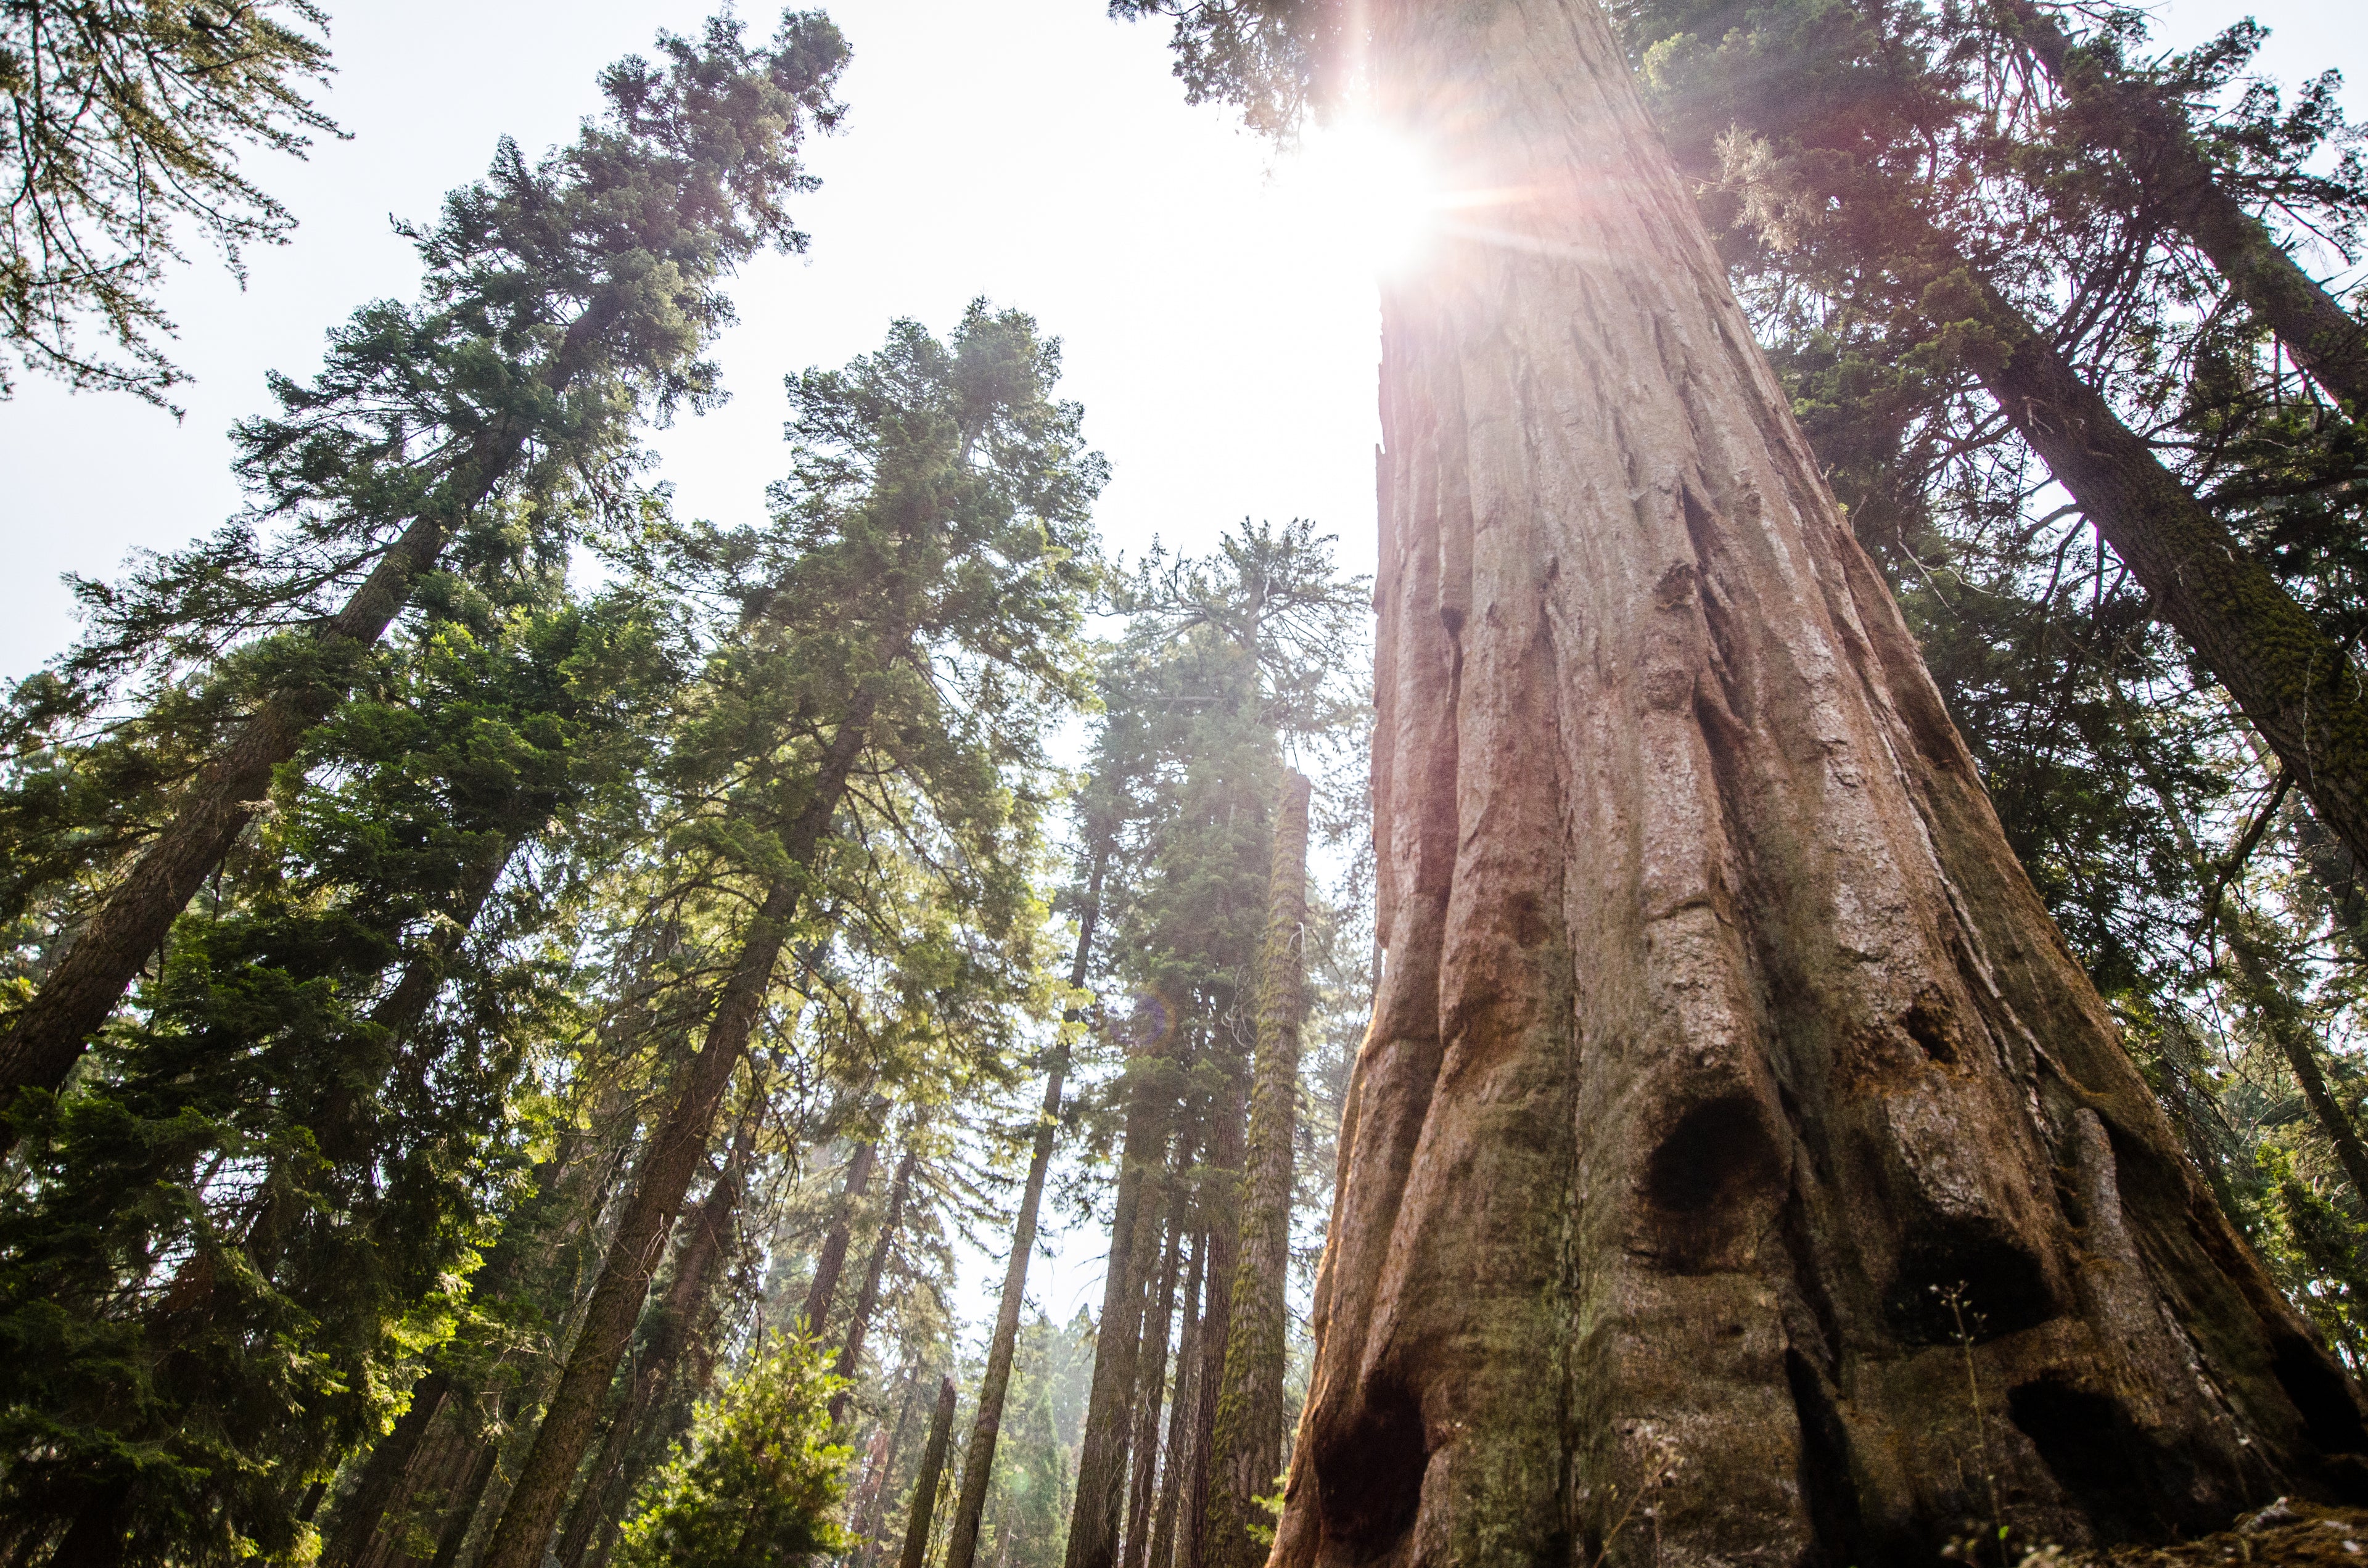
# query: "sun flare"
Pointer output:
{"type": "Point", "coordinates": [1368, 191]}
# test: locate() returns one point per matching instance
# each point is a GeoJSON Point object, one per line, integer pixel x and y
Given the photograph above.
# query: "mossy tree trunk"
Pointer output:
{"type": "Point", "coordinates": [1245, 1453]}
{"type": "Point", "coordinates": [1723, 1054]}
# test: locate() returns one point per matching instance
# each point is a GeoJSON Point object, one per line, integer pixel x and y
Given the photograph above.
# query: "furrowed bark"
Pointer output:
{"type": "Point", "coordinates": [1220, 1179]}
{"type": "Point", "coordinates": [831, 1262]}
{"type": "Point", "coordinates": [986, 1423]}
{"type": "Point", "coordinates": [1723, 1045]}
{"type": "Point", "coordinates": [2156, 142]}
{"type": "Point", "coordinates": [100, 963]}
{"type": "Point", "coordinates": [1245, 1455]}
{"type": "Point", "coordinates": [1180, 1409]}
{"type": "Point", "coordinates": [701, 1258]}
{"type": "Point", "coordinates": [850, 1355]}
{"type": "Point", "coordinates": [667, 1164]}
{"type": "Point", "coordinates": [1150, 1382]}
{"type": "Point", "coordinates": [924, 1485]}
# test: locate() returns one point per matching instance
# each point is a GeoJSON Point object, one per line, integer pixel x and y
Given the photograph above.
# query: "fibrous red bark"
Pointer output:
{"type": "Point", "coordinates": [1736, 1137]}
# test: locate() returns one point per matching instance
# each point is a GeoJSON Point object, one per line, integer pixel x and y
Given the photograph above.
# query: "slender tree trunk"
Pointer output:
{"type": "Point", "coordinates": [2156, 141]}
{"type": "Point", "coordinates": [1180, 1409]}
{"type": "Point", "coordinates": [1151, 1382]}
{"type": "Point", "coordinates": [2250, 966]}
{"type": "Point", "coordinates": [384, 1473]}
{"type": "Point", "coordinates": [104, 957]}
{"type": "Point", "coordinates": [1724, 1054]}
{"type": "Point", "coordinates": [986, 1422]}
{"type": "Point", "coordinates": [875, 1506]}
{"type": "Point", "coordinates": [704, 1249]}
{"type": "Point", "coordinates": [1245, 1455]}
{"type": "Point", "coordinates": [2295, 684]}
{"type": "Point", "coordinates": [850, 1355]}
{"type": "Point", "coordinates": [2282, 1019]}
{"type": "Point", "coordinates": [831, 1262]}
{"type": "Point", "coordinates": [673, 1155]}
{"type": "Point", "coordinates": [924, 1485]}
{"type": "Point", "coordinates": [1221, 1184]}
{"type": "Point", "coordinates": [455, 1533]}
{"type": "Point", "coordinates": [1103, 1447]}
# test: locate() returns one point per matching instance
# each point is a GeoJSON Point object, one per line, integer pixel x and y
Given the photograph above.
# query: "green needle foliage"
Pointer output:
{"type": "Point", "coordinates": [758, 1482]}
{"type": "Point", "coordinates": [125, 123]}
{"type": "Point", "coordinates": [266, 1194]}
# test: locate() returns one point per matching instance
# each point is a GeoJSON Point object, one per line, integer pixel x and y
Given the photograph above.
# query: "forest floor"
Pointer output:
{"type": "Point", "coordinates": [2283, 1533]}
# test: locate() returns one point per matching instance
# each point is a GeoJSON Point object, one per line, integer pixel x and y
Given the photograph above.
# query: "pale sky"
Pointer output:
{"type": "Point", "coordinates": [1218, 313]}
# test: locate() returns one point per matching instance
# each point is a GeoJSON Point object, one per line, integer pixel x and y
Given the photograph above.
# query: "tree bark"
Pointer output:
{"type": "Point", "coordinates": [831, 1262]}
{"type": "Point", "coordinates": [1221, 1183]}
{"type": "Point", "coordinates": [924, 1485]}
{"type": "Point", "coordinates": [383, 1473]}
{"type": "Point", "coordinates": [850, 1355]}
{"type": "Point", "coordinates": [668, 1164]}
{"type": "Point", "coordinates": [455, 1533]}
{"type": "Point", "coordinates": [986, 1422]}
{"type": "Point", "coordinates": [875, 1503]}
{"type": "Point", "coordinates": [1103, 1447]}
{"type": "Point", "coordinates": [1150, 1382]}
{"type": "Point", "coordinates": [1245, 1455]}
{"type": "Point", "coordinates": [100, 963]}
{"type": "Point", "coordinates": [1180, 1409]}
{"type": "Point", "coordinates": [2155, 141]}
{"type": "Point", "coordinates": [1723, 1050]}
{"type": "Point", "coordinates": [703, 1251]}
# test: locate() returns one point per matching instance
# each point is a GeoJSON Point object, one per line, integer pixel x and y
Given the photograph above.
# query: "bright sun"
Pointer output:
{"type": "Point", "coordinates": [1366, 190]}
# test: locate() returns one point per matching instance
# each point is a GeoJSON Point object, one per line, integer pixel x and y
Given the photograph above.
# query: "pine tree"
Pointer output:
{"type": "Point", "coordinates": [564, 302]}
{"type": "Point", "coordinates": [914, 605]}
{"type": "Point", "coordinates": [124, 124]}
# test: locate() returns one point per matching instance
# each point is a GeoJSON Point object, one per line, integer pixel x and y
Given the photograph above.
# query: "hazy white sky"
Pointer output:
{"type": "Point", "coordinates": [1220, 327]}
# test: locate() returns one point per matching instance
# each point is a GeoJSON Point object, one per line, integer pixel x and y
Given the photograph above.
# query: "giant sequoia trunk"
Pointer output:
{"type": "Point", "coordinates": [1245, 1452]}
{"type": "Point", "coordinates": [1722, 1045]}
